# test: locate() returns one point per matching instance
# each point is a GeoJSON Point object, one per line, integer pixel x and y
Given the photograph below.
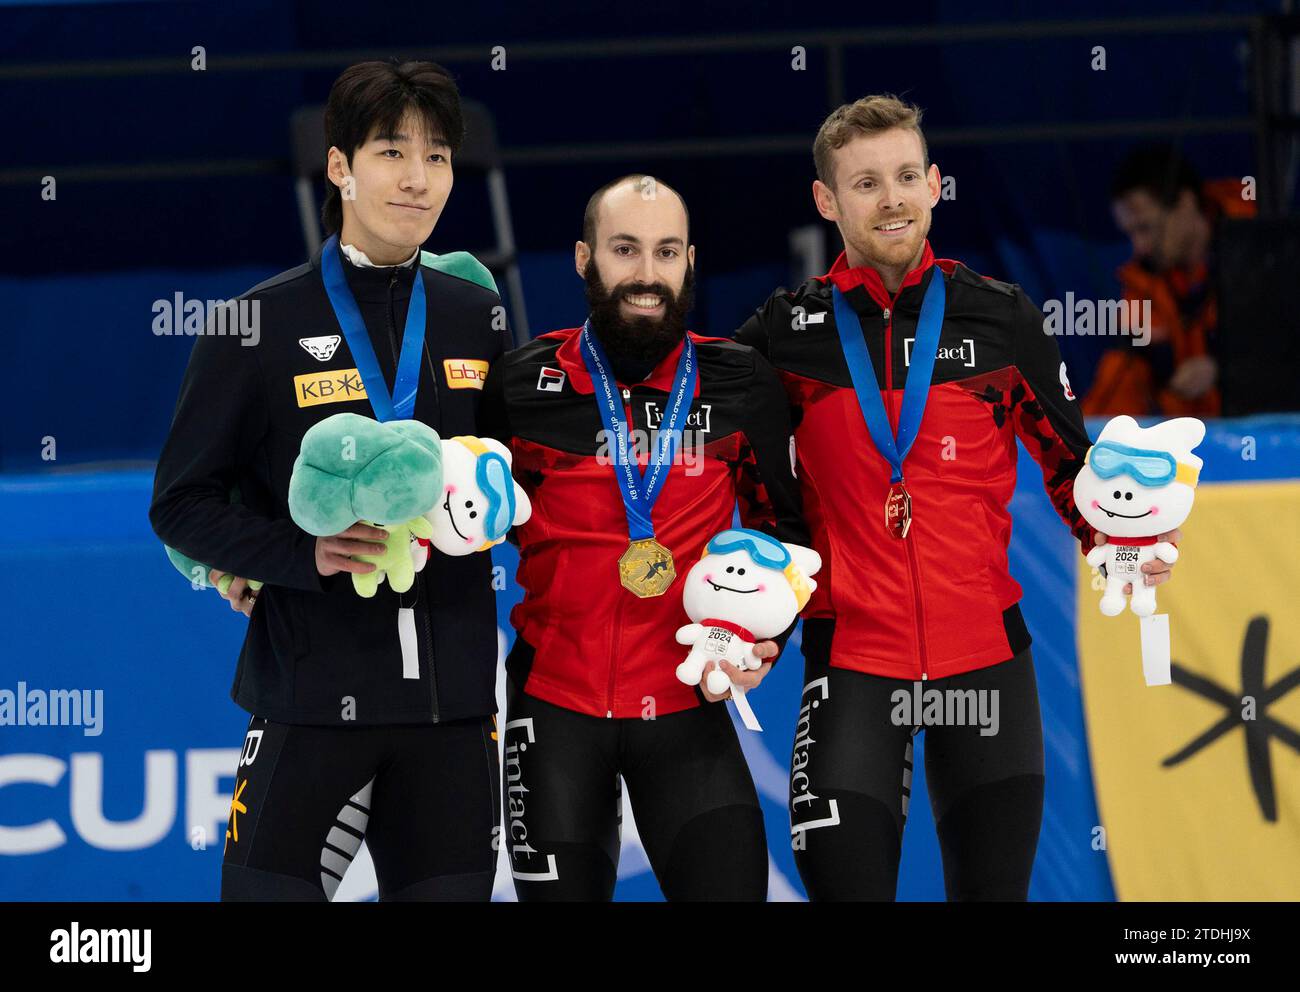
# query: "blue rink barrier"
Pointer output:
{"type": "Point", "coordinates": [134, 806]}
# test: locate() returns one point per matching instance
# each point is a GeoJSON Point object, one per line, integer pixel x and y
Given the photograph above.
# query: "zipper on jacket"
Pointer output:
{"type": "Point", "coordinates": [615, 655]}
{"type": "Point", "coordinates": [421, 603]}
{"type": "Point", "coordinates": [913, 568]}
{"type": "Point", "coordinates": [622, 602]}
{"type": "Point", "coordinates": [428, 636]}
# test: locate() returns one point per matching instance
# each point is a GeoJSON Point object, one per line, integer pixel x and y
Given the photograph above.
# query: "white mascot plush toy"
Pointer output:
{"type": "Point", "coordinates": [747, 587]}
{"type": "Point", "coordinates": [480, 499]}
{"type": "Point", "coordinates": [1137, 482]}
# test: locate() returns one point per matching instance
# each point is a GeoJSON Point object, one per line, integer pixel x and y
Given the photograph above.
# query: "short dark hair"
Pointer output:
{"type": "Point", "coordinates": [593, 204]}
{"type": "Point", "coordinates": [1160, 170]}
{"type": "Point", "coordinates": [372, 98]}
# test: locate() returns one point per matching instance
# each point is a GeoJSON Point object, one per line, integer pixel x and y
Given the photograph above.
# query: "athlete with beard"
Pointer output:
{"type": "Point", "coordinates": [592, 693]}
{"type": "Point", "coordinates": [910, 379]}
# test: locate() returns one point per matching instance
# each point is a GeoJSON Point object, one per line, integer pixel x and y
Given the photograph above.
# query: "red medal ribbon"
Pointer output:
{"type": "Point", "coordinates": [1134, 542]}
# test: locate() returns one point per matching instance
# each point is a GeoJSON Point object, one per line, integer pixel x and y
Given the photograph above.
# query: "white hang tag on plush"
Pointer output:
{"type": "Point", "coordinates": [410, 645]}
{"type": "Point", "coordinates": [1155, 648]}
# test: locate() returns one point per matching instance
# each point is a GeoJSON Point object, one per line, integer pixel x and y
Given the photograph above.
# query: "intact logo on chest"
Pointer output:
{"type": "Point", "coordinates": [696, 420]}
{"type": "Point", "coordinates": [963, 353]}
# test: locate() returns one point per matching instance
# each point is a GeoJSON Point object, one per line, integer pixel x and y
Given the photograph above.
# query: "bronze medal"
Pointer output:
{"type": "Point", "coordinates": [646, 568]}
{"type": "Point", "coordinates": [898, 511]}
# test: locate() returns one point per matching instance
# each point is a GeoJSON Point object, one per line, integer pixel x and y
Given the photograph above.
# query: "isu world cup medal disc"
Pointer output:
{"type": "Point", "coordinates": [898, 511]}
{"type": "Point", "coordinates": [646, 568]}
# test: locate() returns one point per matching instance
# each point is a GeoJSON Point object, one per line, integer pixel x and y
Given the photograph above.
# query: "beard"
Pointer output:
{"type": "Point", "coordinates": [637, 341]}
{"type": "Point", "coordinates": [893, 254]}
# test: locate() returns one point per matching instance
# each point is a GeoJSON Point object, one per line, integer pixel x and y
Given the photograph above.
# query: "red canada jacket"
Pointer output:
{"type": "Point", "coordinates": [584, 642]}
{"type": "Point", "coordinates": [940, 601]}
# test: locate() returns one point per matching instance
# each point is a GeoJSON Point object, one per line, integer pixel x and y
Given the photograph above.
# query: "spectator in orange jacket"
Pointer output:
{"type": "Point", "coordinates": [1169, 216]}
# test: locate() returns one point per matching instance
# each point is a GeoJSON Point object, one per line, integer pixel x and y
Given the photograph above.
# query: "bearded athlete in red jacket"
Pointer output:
{"type": "Point", "coordinates": [592, 691]}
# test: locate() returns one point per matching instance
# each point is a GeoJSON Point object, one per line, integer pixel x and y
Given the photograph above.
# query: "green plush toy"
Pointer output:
{"type": "Point", "coordinates": [396, 562]}
{"type": "Point", "coordinates": [352, 468]}
{"type": "Point", "coordinates": [462, 265]}
{"type": "Point", "coordinates": [197, 572]}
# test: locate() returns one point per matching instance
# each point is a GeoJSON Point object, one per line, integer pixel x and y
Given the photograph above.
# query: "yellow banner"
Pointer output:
{"type": "Point", "coordinates": [1198, 782]}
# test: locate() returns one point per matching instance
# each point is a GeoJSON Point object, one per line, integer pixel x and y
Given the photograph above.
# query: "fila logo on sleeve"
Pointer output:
{"type": "Point", "coordinates": [550, 380]}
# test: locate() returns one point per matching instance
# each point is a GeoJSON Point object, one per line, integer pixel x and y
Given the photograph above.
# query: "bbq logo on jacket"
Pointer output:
{"type": "Point", "coordinates": [465, 373]}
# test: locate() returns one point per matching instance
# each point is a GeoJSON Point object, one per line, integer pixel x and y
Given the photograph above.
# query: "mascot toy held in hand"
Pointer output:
{"type": "Point", "coordinates": [747, 587]}
{"type": "Point", "coordinates": [480, 500]}
{"type": "Point", "coordinates": [352, 468]}
{"type": "Point", "coordinates": [197, 572]}
{"type": "Point", "coordinates": [1137, 482]}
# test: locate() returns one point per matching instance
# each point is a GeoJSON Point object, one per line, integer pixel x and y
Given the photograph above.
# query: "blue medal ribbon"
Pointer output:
{"type": "Point", "coordinates": [400, 405]}
{"type": "Point", "coordinates": [919, 373]}
{"type": "Point", "coordinates": [638, 488]}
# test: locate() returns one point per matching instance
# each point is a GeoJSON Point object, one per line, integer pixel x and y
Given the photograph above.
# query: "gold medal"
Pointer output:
{"type": "Point", "coordinates": [646, 568]}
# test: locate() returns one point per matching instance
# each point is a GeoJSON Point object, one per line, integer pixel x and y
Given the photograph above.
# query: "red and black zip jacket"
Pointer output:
{"type": "Point", "coordinates": [584, 642]}
{"type": "Point", "coordinates": [940, 601]}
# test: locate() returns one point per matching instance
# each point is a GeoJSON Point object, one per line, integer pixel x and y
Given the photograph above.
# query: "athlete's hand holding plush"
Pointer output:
{"type": "Point", "coordinates": [239, 592]}
{"type": "Point", "coordinates": [1136, 487]}
{"type": "Point", "coordinates": [747, 587]}
{"type": "Point", "coordinates": [351, 468]}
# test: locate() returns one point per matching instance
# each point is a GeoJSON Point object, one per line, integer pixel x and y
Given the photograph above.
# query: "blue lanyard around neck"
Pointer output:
{"type": "Point", "coordinates": [919, 373]}
{"type": "Point", "coordinates": [400, 405]}
{"type": "Point", "coordinates": [639, 489]}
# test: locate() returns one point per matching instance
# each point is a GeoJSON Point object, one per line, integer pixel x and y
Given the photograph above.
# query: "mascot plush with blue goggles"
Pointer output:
{"type": "Point", "coordinates": [480, 500]}
{"type": "Point", "coordinates": [1136, 484]}
{"type": "Point", "coordinates": [747, 587]}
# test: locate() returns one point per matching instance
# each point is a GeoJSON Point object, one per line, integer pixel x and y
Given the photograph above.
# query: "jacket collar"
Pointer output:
{"type": "Point", "coordinates": [569, 357]}
{"type": "Point", "coordinates": [369, 284]}
{"type": "Point", "coordinates": [846, 277]}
